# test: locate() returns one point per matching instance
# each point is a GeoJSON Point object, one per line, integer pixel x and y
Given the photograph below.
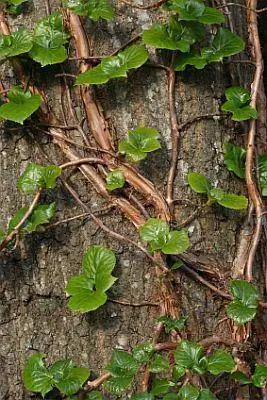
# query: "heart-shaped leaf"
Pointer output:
{"type": "Point", "coordinates": [19, 42]}
{"type": "Point", "coordinates": [238, 100]}
{"type": "Point", "coordinates": [190, 355]}
{"type": "Point", "coordinates": [36, 377]}
{"type": "Point", "coordinates": [22, 104]}
{"type": "Point", "coordinates": [220, 361]}
{"type": "Point", "coordinates": [67, 377]}
{"type": "Point", "coordinates": [122, 364]}
{"type": "Point", "coordinates": [224, 44]}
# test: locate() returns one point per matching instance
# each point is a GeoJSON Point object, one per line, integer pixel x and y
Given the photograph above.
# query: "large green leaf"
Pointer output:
{"type": "Point", "coordinates": [115, 67]}
{"type": "Point", "coordinates": [198, 182]}
{"type": "Point", "coordinates": [224, 44]}
{"type": "Point", "coordinates": [93, 9]}
{"type": "Point", "coordinates": [176, 35]}
{"type": "Point", "coordinates": [36, 377]}
{"type": "Point", "coordinates": [220, 361]}
{"type": "Point", "coordinates": [263, 174]}
{"type": "Point", "coordinates": [190, 355]}
{"type": "Point", "coordinates": [122, 364]}
{"type": "Point", "coordinates": [238, 100]}
{"type": "Point", "coordinates": [139, 142]}
{"type": "Point", "coordinates": [88, 289]}
{"type": "Point", "coordinates": [188, 392]}
{"type": "Point", "coordinates": [22, 104]}
{"type": "Point", "coordinates": [259, 378]}
{"type": "Point", "coordinates": [37, 176]}
{"type": "Point", "coordinates": [244, 306]}
{"type": "Point", "coordinates": [19, 42]}
{"type": "Point", "coordinates": [41, 215]}
{"type": "Point", "coordinates": [235, 159]}
{"type": "Point", "coordinates": [49, 40]}
{"type": "Point", "coordinates": [115, 180]}
{"type": "Point", "coordinates": [67, 377]}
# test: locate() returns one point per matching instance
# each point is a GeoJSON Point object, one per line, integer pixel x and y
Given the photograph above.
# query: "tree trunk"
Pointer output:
{"type": "Point", "coordinates": [34, 316]}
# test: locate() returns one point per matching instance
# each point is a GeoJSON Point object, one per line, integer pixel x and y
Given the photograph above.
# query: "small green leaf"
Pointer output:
{"type": "Point", "coordinates": [17, 43]}
{"type": "Point", "coordinates": [263, 174]}
{"type": "Point", "coordinates": [220, 361]}
{"type": "Point", "coordinates": [143, 396]}
{"type": "Point", "coordinates": [31, 179]}
{"type": "Point", "coordinates": [93, 9]}
{"type": "Point", "coordinates": [259, 378]}
{"type": "Point", "coordinates": [117, 384]}
{"type": "Point", "coordinates": [36, 376]}
{"type": "Point", "coordinates": [155, 231]}
{"type": "Point", "coordinates": [161, 386]}
{"type": "Point", "coordinates": [67, 377]}
{"type": "Point", "coordinates": [114, 67]}
{"type": "Point", "coordinates": [198, 182]}
{"type": "Point", "coordinates": [178, 372]}
{"type": "Point", "coordinates": [16, 219]}
{"type": "Point", "coordinates": [22, 104]}
{"type": "Point", "coordinates": [193, 58]}
{"type": "Point", "coordinates": [115, 180]}
{"type": "Point", "coordinates": [172, 323]}
{"type": "Point", "coordinates": [241, 377]}
{"type": "Point", "coordinates": [177, 242]}
{"type": "Point", "coordinates": [41, 215]}
{"type": "Point", "coordinates": [122, 363]}
{"type": "Point", "coordinates": [139, 142]}
{"type": "Point", "coordinates": [159, 364]}
{"type": "Point", "coordinates": [50, 175]}
{"type": "Point", "coordinates": [178, 264]}
{"type": "Point", "coordinates": [238, 100]}
{"type": "Point", "coordinates": [176, 35]}
{"type": "Point", "coordinates": [143, 352]}
{"type": "Point", "coordinates": [216, 194]}
{"type": "Point", "coordinates": [88, 289]}
{"type": "Point", "coordinates": [243, 308]}
{"type": "Point", "coordinates": [190, 355]}
{"type": "Point", "coordinates": [94, 395]}
{"type": "Point", "coordinates": [233, 201]}
{"type": "Point", "coordinates": [234, 159]}
{"type": "Point", "coordinates": [206, 394]}
{"type": "Point", "coordinates": [224, 44]}
{"type": "Point", "coordinates": [48, 40]}
{"type": "Point", "coordinates": [188, 392]}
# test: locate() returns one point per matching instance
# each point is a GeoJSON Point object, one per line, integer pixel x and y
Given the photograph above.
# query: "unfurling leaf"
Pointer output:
{"type": "Point", "coordinates": [22, 104]}
{"type": "Point", "coordinates": [238, 103]}
{"type": "Point", "coordinates": [234, 159]}
{"type": "Point", "coordinates": [139, 142]}
{"type": "Point", "coordinates": [157, 233]}
{"type": "Point", "coordinates": [87, 290]}
{"type": "Point", "coordinates": [244, 306]}
{"type": "Point", "coordinates": [114, 66]}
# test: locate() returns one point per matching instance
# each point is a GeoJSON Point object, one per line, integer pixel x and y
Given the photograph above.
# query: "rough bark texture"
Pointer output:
{"type": "Point", "coordinates": [33, 312]}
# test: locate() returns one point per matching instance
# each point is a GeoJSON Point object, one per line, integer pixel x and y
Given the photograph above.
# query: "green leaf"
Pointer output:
{"type": "Point", "coordinates": [115, 180]}
{"type": "Point", "coordinates": [94, 395]}
{"type": "Point", "coordinates": [122, 364]}
{"type": "Point", "coordinates": [233, 201]}
{"type": "Point", "coordinates": [143, 352]}
{"type": "Point", "coordinates": [161, 386]}
{"type": "Point", "coordinates": [143, 396]}
{"type": "Point", "coordinates": [67, 377]}
{"type": "Point", "coordinates": [31, 179]}
{"type": "Point", "coordinates": [50, 175]}
{"type": "Point", "coordinates": [178, 264]}
{"type": "Point", "coordinates": [2, 234]}
{"type": "Point", "coordinates": [139, 142]}
{"type": "Point", "coordinates": [211, 16]}
{"type": "Point", "coordinates": [216, 194]}
{"type": "Point", "coordinates": [259, 378]}
{"type": "Point", "coordinates": [22, 104]}
{"type": "Point", "coordinates": [172, 323]}
{"type": "Point", "coordinates": [178, 372]}
{"type": "Point", "coordinates": [188, 392]}
{"type": "Point", "coordinates": [190, 355]}
{"type": "Point", "coordinates": [243, 308]}
{"type": "Point", "coordinates": [224, 44]}
{"type": "Point", "coordinates": [88, 289]}
{"type": "Point", "coordinates": [235, 159]}
{"type": "Point", "coordinates": [49, 40]}
{"type": "Point", "coordinates": [41, 215]}
{"type": "Point", "coordinates": [238, 100]}
{"type": "Point", "coordinates": [19, 42]}
{"type": "Point", "coordinates": [263, 174]}
{"type": "Point", "coordinates": [170, 396]}
{"type": "Point", "coordinates": [117, 385]}
{"type": "Point", "coordinates": [36, 376]}
{"type": "Point", "coordinates": [177, 242]}
{"type": "Point", "coordinates": [176, 35]}
{"type": "Point", "coordinates": [193, 58]}
{"type": "Point", "coordinates": [93, 9]}
{"type": "Point", "coordinates": [206, 394]}
{"type": "Point", "coordinates": [220, 361]}
{"type": "Point", "coordinates": [198, 182]}
{"type": "Point", "coordinates": [114, 67]}
{"type": "Point", "coordinates": [16, 219]}
{"type": "Point", "coordinates": [159, 364]}
{"type": "Point", "coordinates": [155, 231]}
{"type": "Point", "coordinates": [241, 377]}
